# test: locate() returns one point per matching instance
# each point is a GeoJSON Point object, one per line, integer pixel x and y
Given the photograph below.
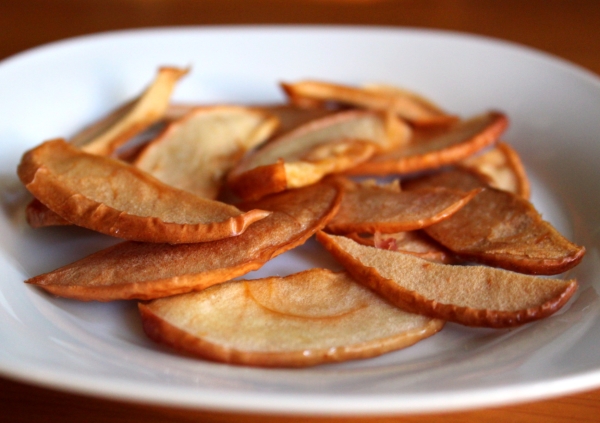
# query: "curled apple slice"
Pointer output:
{"type": "Point", "coordinates": [504, 168]}
{"type": "Point", "coordinates": [470, 295]}
{"type": "Point", "coordinates": [323, 146]}
{"type": "Point", "coordinates": [499, 228]}
{"type": "Point", "coordinates": [195, 152]}
{"type": "Point", "coordinates": [284, 321]}
{"type": "Point", "coordinates": [405, 104]}
{"type": "Point", "coordinates": [117, 199]}
{"type": "Point", "coordinates": [133, 270]}
{"type": "Point", "coordinates": [433, 149]}
{"type": "Point", "coordinates": [370, 208]}
{"type": "Point", "coordinates": [104, 136]}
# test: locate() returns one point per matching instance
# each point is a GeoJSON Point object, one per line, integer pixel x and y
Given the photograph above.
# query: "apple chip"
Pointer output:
{"type": "Point", "coordinates": [499, 228]}
{"type": "Point", "coordinates": [134, 270]}
{"type": "Point", "coordinates": [504, 168]}
{"type": "Point", "coordinates": [433, 149]}
{"type": "Point", "coordinates": [195, 152]}
{"type": "Point", "coordinates": [368, 208]}
{"type": "Point", "coordinates": [117, 199]}
{"type": "Point", "coordinates": [284, 321]}
{"type": "Point", "coordinates": [470, 295]}
{"type": "Point", "coordinates": [305, 155]}
{"type": "Point", "coordinates": [405, 104]}
{"type": "Point", "coordinates": [416, 243]}
{"type": "Point", "coordinates": [104, 136]}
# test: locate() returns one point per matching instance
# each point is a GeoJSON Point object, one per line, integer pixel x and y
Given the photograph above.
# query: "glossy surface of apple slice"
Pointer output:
{"type": "Point", "coordinates": [470, 295]}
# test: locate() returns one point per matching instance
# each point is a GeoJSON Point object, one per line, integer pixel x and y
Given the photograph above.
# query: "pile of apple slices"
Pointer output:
{"type": "Point", "coordinates": [204, 194]}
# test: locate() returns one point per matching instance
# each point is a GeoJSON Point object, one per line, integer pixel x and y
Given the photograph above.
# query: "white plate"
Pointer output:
{"type": "Point", "coordinates": [100, 349]}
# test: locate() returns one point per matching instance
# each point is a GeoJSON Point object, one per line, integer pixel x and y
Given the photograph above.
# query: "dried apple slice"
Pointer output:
{"type": "Point", "coordinates": [133, 270]}
{"type": "Point", "coordinates": [284, 321]}
{"type": "Point", "coordinates": [103, 137]}
{"type": "Point", "coordinates": [39, 216]}
{"type": "Point", "coordinates": [321, 147]}
{"type": "Point", "coordinates": [416, 243]}
{"type": "Point", "coordinates": [470, 295]}
{"type": "Point", "coordinates": [434, 149]}
{"type": "Point", "coordinates": [117, 199]}
{"type": "Point", "coordinates": [405, 104]}
{"type": "Point", "coordinates": [370, 208]}
{"type": "Point", "coordinates": [195, 152]}
{"type": "Point", "coordinates": [499, 228]}
{"type": "Point", "coordinates": [504, 168]}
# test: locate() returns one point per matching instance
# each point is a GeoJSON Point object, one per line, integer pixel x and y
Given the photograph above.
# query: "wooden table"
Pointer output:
{"type": "Point", "coordinates": [566, 28]}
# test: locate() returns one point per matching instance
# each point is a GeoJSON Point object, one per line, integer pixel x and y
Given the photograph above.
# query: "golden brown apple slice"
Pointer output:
{"type": "Point", "coordinates": [117, 199]}
{"type": "Point", "coordinates": [284, 321]}
{"type": "Point", "coordinates": [416, 243]}
{"type": "Point", "coordinates": [103, 137]}
{"type": "Point", "coordinates": [195, 152]}
{"type": "Point", "coordinates": [371, 209]}
{"type": "Point", "coordinates": [133, 270]}
{"type": "Point", "coordinates": [470, 295]}
{"type": "Point", "coordinates": [434, 149]}
{"type": "Point", "coordinates": [405, 104]}
{"type": "Point", "coordinates": [504, 168]}
{"type": "Point", "coordinates": [499, 228]}
{"type": "Point", "coordinates": [305, 155]}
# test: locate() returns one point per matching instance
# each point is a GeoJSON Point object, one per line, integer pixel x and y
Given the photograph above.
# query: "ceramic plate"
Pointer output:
{"type": "Point", "coordinates": [100, 349]}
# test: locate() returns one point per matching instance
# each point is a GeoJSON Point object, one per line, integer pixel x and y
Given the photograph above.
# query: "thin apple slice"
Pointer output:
{"type": "Point", "coordinates": [470, 295]}
{"type": "Point", "coordinates": [39, 216]}
{"type": "Point", "coordinates": [103, 137]}
{"type": "Point", "coordinates": [416, 243]}
{"type": "Point", "coordinates": [504, 168]}
{"type": "Point", "coordinates": [436, 148]}
{"type": "Point", "coordinates": [195, 152]}
{"type": "Point", "coordinates": [133, 270]}
{"type": "Point", "coordinates": [117, 199]}
{"type": "Point", "coordinates": [284, 321]}
{"type": "Point", "coordinates": [368, 208]}
{"type": "Point", "coordinates": [323, 146]}
{"type": "Point", "coordinates": [405, 104]}
{"type": "Point", "coordinates": [499, 228]}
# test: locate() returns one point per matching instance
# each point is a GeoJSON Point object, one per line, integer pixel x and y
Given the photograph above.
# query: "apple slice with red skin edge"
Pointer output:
{"type": "Point", "coordinates": [320, 147]}
{"type": "Point", "coordinates": [106, 135]}
{"type": "Point", "coordinates": [469, 295]}
{"type": "Point", "coordinates": [499, 228]}
{"type": "Point", "coordinates": [405, 104]}
{"type": "Point", "coordinates": [134, 270]}
{"type": "Point", "coordinates": [440, 148]}
{"type": "Point", "coordinates": [371, 209]}
{"type": "Point", "coordinates": [504, 168]}
{"type": "Point", "coordinates": [195, 152]}
{"type": "Point", "coordinates": [284, 321]}
{"type": "Point", "coordinates": [117, 199]}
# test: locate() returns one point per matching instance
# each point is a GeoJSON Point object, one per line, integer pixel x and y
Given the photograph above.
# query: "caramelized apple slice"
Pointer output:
{"type": "Point", "coordinates": [416, 243]}
{"type": "Point", "coordinates": [503, 166]}
{"type": "Point", "coordinates": [284, 321]}
{"type": "Point", "coordinates": [434, 149]}
{"type": "Point", "coordinates": [195, 152]}
{"type": "Point", "coordinates": [405, 104]}
{"type": "Point", "coordinates": [104, 136]}
{"type": "Point", "coordinates": [499, 228]}
{"type": "Point", "coordinates": [117, 199]}
{"type": "Point", "coordinates": [370, 209]}
{"type": "Point", "coordinates": [321, 147]}
{"type": "Point", "coordinates": [133, 270]}
{"type": "Point", "coordinates": [470, 295]}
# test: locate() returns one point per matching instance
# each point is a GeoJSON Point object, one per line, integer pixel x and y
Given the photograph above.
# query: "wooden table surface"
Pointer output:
{"type": "Point", "coordinates": [566, 28]}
